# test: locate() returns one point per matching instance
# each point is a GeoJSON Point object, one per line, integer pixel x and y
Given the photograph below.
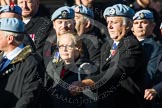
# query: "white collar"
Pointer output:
{"type": "Point", "coordinates": [141, 39]}
{"type": "Point", "coordinates": [14, 52]}
{"type": "Point", "coordinates": [26, 21]}
{"type": "Point", "coordinates": [117, 42]}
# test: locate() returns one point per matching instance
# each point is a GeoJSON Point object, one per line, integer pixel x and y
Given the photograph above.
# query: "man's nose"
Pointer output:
{"type": "Point", "coordinates": [24, 4]}
{"type": "Point", "coordinates": [109, 26]}
{"type": "Point", "coordinates": [64, 24]}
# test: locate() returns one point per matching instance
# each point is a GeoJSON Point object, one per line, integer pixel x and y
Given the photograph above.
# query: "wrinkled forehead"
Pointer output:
{"type": "Point", "coordinates": [65, 20]}
{"type": "Point", "coordinates": [66, 40]}
{"type": "Point", "coordinates": [68, 36]}
{"type": "Point", "coordinates": [114, 18]}
{"type": "Point", "coordinates": [142, 21]}
{"type": "Point", "coordinates": [33, 2]}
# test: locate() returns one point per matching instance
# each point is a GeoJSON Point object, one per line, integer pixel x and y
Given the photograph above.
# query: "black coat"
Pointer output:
{"type": "Point", "coordinates": [91, 47]}
{"type": "Point", "coordinates": [41, 28]}
{"type": "Point", "coordinates": [19, 85]}
{"type": "Point", "coordinates": [158, 82]}
{"type": "Point", "coordinates": [58, 93]}
{"type": "Point", "coordinates": [120, 81]}
{"type": "Point", "coordinates": [151, 51]}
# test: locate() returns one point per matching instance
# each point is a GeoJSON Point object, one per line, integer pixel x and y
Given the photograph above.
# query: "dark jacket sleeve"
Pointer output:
{"type": "Point", "coordinates": [30, 88]}
{"type": "Point", "coordinates": [158, 86]}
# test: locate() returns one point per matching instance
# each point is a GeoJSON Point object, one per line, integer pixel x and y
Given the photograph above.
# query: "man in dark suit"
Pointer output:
{"type": "Point", "coordinates": [19, 68]}
{"type": "Point", "coordinates": [36, 26]}
{"type": "Point", "coordinates": [143, 25]}
{"type": "Point", "coordinates": [120, 81]}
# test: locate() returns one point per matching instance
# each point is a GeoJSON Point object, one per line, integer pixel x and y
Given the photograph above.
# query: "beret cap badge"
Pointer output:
{"type": "Point", "coordinates": [112, 11]}
{"type": "Point", "coordinates": [141, 15]}
{"type": "Point", "coordinates": [64, 14]}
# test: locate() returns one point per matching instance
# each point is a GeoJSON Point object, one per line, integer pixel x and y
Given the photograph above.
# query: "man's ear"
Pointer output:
{"type": "Point", "coordinates": [53, 24]}
{"type": "Point", "coordinates": [132, 29]}
{"type": "Point", "coordinates": [88, 24]}
{"type": "Point", "coordinates": [153, 26]}
{"type": "Point", "coordinates": [129, 26]}
{"type": "Point", "coordinates": [10, 39]}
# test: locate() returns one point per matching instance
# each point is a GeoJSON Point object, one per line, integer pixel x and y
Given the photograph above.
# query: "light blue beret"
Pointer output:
{"type": "Point", "coordinates": [143, 14]}
{"type": "Point", "coordinates": [64, 12]}
{"type": "Point", "coordinates": [119, 10]}
{"type": "Point", "coordinates": [83, 10]}
{"type": "Point", "coordinates": [161, 26]}
{"type": "Point", "coordinates": [15, 9]}
{"type": "Point", "coordinates": [11, 24]}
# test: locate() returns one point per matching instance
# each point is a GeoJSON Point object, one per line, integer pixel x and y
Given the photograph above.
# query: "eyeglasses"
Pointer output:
{"type": "Point", "coordinates": [68, 47]}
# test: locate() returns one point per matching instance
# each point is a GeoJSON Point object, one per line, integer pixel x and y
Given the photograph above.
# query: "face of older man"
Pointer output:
{"type": "Point", "coordinates": [29, 7]}
{"type": "Point", "coordinates": [142, 28]}
{"type": "Point", "coordinates": [62, 26]}
{"type": "Point", "coordinates": [3, 42]}
{"type": "Point", "coordinates": [116, 28]}
{"type": "Point", "coordinates": [80, 23]}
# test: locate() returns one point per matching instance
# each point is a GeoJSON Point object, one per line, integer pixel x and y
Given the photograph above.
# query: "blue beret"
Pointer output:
{"type": "Point", "coordinates": [15, 9]}
{"type": "Point", "coordinates": [11, 24]}
{"type": "Point", "coordinates": [83, 10]}
{"type": "Point", "coordinates": [143, 14]}
{"type": "Point", "coordinates": [119, 10]}
{"type": "Point", "coordinates": [64, 12]}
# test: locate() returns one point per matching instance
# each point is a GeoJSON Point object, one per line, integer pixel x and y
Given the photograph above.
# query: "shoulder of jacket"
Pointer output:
{"type": "Point", "coordinates": [130, 41]}
{"type": "Point", "coordinates": [22, 55]}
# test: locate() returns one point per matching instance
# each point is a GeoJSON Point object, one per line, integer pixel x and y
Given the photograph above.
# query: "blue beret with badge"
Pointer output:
{"type": "Point", "coordinates": [64, 12]}
{"type": "Point", "coordinates": [119, 10]}
{"type": "Point", "coordinates": [12, 25]}
{"type": "Point", "coordinates": [143, 14]}
{"type": "Point", "coordinates": [14, 9]}
{"type": "Point", "coordinates": [83, 10]}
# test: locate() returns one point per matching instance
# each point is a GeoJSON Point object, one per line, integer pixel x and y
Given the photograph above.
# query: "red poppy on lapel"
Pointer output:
{"type": "Point", "coordinates": [113, 52]}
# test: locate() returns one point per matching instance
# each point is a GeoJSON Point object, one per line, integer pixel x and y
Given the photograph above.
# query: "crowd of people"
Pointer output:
{"type": "Point", "coordinates": [81, 56]}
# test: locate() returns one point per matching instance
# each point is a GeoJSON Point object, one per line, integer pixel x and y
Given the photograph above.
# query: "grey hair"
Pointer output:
{"type": "Point", "coordinates": [74, 36]}
{"type": "Point", "coordinates": [18, 36]}
{"type": "Point", "coordinates": [128, 22]}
